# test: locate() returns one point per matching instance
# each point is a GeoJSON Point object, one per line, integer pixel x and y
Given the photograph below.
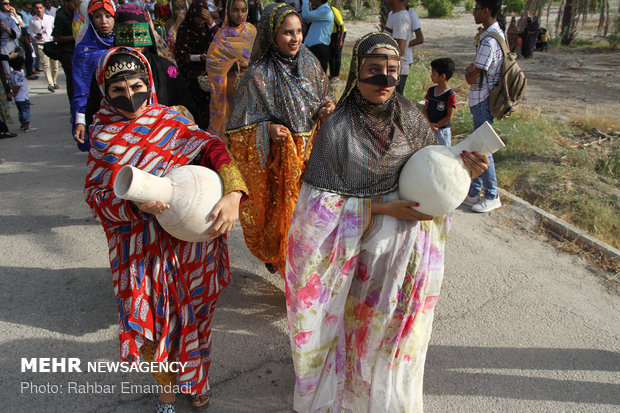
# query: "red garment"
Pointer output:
{"type": "Point", "coordinates": [165, 287]}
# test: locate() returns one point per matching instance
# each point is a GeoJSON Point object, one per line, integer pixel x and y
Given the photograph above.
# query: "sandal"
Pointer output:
{"type": "Point", "coordinates": [201, 401]}
{"type": "Point", "coordinates": [164, 407]}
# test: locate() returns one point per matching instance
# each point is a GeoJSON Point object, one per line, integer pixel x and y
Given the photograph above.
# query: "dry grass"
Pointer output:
{"type": "Point", "coordinates": [595, 118]}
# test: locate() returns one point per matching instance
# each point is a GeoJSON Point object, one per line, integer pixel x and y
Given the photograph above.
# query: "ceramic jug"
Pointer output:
{"type": "Point", "coordinates": [436, 176]}
{"type": "Point", "coordinates": [191, 191]}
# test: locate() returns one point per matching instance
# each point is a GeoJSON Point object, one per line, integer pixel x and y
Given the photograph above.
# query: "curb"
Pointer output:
{"type": "Point", "coordinates": [563, 228]}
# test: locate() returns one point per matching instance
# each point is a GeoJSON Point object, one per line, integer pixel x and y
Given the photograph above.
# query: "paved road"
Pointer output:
{"type": "Point", "coordinates": [520, 325]}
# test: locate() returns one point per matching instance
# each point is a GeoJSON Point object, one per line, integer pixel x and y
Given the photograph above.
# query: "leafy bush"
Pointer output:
{"type": "Point", "coordinates": [438, 8]}
{"type": "Point", "coordinates": [469, 5]}
{"type": "Point", "coordinates": [516, 6]}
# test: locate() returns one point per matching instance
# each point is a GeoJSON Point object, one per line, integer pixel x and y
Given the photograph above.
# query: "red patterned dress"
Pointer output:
{"type": "Point", "coordinates": [166, 289]}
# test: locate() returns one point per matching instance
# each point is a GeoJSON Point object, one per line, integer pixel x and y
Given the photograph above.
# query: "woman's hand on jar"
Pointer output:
{"type": "Point", "coordinates": [400, 209]}
{"type": "Point", "coordinates": [78, 133]}
{"type": "Point", "coordinates": [326, 110]}
{"type": "Point", "coordinates": [225, 214]}
{"type": "Point", "coordinates": [476, 162]}
{"type": "Point", "coordinates": [153, 207]}
{"type": "Point", "coordinates": [278, 133]}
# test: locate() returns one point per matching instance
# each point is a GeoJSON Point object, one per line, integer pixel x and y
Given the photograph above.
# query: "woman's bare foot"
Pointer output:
{"type": "Point", "coordinates": [201, 401]}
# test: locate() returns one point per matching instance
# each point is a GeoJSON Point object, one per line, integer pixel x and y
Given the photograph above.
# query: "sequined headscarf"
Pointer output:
{"type": "Point", "coordinates": [278, 88]}
{"type": "Point", "coordinates": [362, 146]}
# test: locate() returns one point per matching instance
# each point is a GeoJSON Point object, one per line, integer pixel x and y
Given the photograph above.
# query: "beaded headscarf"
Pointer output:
{"type": "Point", "coordinates": [284, 89]}
{"type": "Point", "coordinates": [362, 146]}
{"type": "Point", "coordinates": [273, 16]}
{"type": "Point", "coordinates": [123, 63]}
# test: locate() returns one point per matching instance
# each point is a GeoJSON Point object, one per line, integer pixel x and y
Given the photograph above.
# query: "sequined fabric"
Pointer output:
{"type": "Point", "coordinates": [287, 91]}
{"type": "Point", "coordinates": [362, 146]}
{"type": "Point", "coordinates": [273, 189]}
{"type": "Point", "coordinates": [276, 88]}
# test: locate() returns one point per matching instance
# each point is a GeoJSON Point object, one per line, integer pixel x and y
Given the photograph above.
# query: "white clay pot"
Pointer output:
{"type": "Point", "coordinates": [436, 176]}
{"type": "Point", "coordinates": [191, 191]}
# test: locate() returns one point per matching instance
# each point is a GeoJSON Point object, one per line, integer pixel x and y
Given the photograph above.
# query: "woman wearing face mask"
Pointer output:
{"type": "Point", "coordinates": [279, 105]}
{"type": "Point", "coordinates": [166, 288]}
{"type": "Point", "coordinates": [132, 29]}
{"type": "Point", "coordinates": [99, 37]}
{"type": "Point", "coordinates": [363, 268]}
{"type": "Point", "coordinates": [190, 50]}
{"type": "Point", "coordinates": [227, 60]}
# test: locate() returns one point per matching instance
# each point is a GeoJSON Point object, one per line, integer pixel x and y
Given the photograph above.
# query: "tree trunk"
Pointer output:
{"type": "Point", "coordinates": [548, 13]}
{"type": "Point", "coordinates": [569, 19]}
{"type": "Point", "coordinates": [601, 20]}
{"type": "Point", "coordinates": [384, 10]}
{"type": "Point", "coordinates": [557, 20]}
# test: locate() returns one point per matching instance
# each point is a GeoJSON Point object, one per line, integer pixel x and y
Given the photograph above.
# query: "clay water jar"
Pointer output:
{"type": "Point", "coordinates": [436, 176]}
{"type": "Point", "coordinates": [191, 191]}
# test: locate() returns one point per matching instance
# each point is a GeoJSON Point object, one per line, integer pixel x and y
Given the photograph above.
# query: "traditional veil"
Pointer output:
{"type": "Point", "coordinates": [362, 146]}
{"type": "Point", "coordinates": [278, 88]}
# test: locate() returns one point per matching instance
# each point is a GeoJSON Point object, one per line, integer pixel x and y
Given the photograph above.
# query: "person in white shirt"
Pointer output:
{"type": "Point", "coordinates": [416, 36]}
{"type": "Point", "coordinates": [49, 9]}
{"type": "Point", "coordinates": [482, 76]}
{"type": "Point", "coordinates": [40, 28]}
{"type": "Point", "coordinates": [398, 25]}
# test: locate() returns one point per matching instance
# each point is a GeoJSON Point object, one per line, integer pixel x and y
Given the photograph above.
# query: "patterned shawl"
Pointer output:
{"type": "Point", "coordinates": [286, 90]}
{"type": "Point", "coordinates": [232, 44]}
{"type": "Point", "coordinates": [156, 277]}
{"type": "Point", "coordinates": [380, 137]}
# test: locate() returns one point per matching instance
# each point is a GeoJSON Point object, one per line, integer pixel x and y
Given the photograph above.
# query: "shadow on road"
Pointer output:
{"type": "Point", "coordinates": [73, 301]}
{"type": "Point", "coordinates": [445, 373]}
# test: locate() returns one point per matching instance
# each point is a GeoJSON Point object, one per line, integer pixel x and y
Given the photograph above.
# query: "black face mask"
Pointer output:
{"type": "Point", "coordinates": [130, 105]}
{"type": "Point", "coordinates": [380, 80]}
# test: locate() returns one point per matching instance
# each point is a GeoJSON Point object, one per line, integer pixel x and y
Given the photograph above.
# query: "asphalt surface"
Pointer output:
{"type": "Point", "coordinates": [520, 325]}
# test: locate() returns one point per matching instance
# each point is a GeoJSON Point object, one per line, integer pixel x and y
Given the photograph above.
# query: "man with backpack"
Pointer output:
{"type": "Point", "coordinates": [482, 76]}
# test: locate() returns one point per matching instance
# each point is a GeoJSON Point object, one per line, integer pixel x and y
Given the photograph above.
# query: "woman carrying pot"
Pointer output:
{"type": "Point", "coordinates": [166, 289]}
{"type": "Point", "coordinates": [363, 268]}
{"type": "Point", "coordinates": [279, 105]}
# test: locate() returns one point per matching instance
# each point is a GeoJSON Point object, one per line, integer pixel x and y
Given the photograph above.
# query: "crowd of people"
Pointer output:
{"type": "Point", "coordinates": [525, 36]}
{"type": "Point", "coordinates": [314, 182]}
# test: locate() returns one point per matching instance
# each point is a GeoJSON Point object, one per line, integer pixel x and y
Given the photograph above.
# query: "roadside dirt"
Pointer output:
{"type": "Point", "coordinates": [562, 83]}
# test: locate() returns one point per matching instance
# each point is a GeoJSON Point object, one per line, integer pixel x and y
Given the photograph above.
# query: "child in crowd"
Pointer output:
{"type": "Point", "coordinates": [19, 86]}
{"type": "Point", "coordinates": [544, 40]}
{"type": "Point", "coordinates": [477, 37]}
{"type": "Point", "coordinates": [519, 49]}
{"type": "Point", "coordinates": [441, 100]}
